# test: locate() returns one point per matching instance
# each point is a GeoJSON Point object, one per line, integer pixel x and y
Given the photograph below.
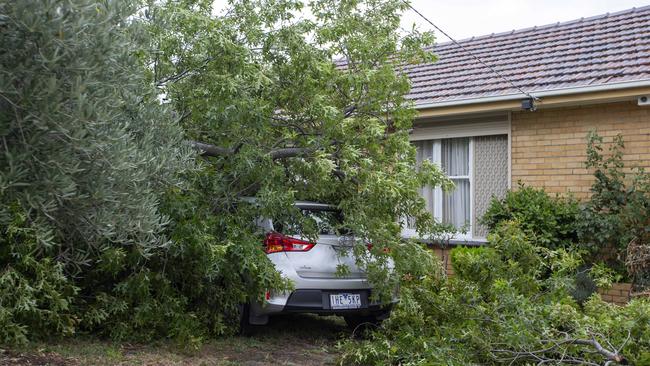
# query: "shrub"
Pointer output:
{"type": "Point", "coordinates": [552, 220]}
{"type": "Point", "coordinates": [616, 215]}
{"type": "Point", "coordinates": [87, 148]}
{"type": "Point", "coordinates": [618, 212]}
{"type": "Point", "coordinates": [503, 307]}
{"type": "Point", "coordinates": [35, 294]}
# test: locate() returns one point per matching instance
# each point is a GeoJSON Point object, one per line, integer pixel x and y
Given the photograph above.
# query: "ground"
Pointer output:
{"type": "Point", "coordinates": [288, 340]}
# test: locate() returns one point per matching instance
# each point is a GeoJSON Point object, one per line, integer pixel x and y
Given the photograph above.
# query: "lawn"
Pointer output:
{"type": "Point", "coordinates": [287, 340]}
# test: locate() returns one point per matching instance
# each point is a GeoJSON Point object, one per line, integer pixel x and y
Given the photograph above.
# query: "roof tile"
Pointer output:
{"type": "Point", "coordinates": [598, 50]}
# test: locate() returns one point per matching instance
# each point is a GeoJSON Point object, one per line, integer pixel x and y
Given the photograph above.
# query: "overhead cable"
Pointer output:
{"type": "Point", "coordinates": [494, 71]}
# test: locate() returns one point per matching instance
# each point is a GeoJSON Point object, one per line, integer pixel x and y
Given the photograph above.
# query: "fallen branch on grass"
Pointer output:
{"type": "Point", "coordinates": [556, 353]}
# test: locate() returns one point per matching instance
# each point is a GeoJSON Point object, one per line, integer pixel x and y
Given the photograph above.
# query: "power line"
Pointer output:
{"type": "Point", "coordinates": [470, 53]}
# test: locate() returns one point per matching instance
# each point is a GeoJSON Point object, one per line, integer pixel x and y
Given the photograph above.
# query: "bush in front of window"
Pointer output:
{"type": "Point", "coordinates": [551, 220]}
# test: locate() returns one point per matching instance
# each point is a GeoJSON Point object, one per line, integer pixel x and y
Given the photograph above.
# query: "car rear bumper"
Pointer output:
{"type": "Point", "coordinates": [315, 301]}
{"type": "Point", "coordinates": [312, 295]}
{"type": "Point", "coordinates": [318, 301]}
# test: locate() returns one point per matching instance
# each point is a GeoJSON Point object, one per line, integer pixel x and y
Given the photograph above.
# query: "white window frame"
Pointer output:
{"type": "Point", "coordinates": [470, 177]}
{"type": "Point", "coordinates": [461, 128]}
{"type": "Point", "coordinates": [436, 158]}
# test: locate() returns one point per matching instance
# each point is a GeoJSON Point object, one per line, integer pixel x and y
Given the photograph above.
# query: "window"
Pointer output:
{"type": "Point", "coordinates": [478, 166]}
{"type": "Point", "coordinates": [455, 162]}
{"type": "Point", "coordinates": [322, 221]}
{"type": "Point", "coordinates": [453, 155]}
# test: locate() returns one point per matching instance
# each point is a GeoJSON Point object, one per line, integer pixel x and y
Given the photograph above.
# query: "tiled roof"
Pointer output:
{"type": "Point", "coordinates": [601, 50]}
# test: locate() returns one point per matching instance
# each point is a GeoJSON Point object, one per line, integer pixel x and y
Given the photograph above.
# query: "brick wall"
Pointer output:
{"type": "Point", "coordinates": [443, 255]}
{"type": "Point", "coordinates": [548, 146]}
{"type": "Point", "coordinates": [618, 294]}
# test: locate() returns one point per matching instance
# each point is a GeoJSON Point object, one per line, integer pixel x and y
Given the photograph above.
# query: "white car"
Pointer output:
{"type": "Point", "coordinates": [312, 267]}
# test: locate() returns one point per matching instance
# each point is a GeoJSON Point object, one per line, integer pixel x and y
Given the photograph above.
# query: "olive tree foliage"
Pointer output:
{"type": "Point", "coordinates": [86, 150]}
{"type": "Point", "coordinates": [86, 147]}
{"type": "Point", "coordinates": [291, 100]}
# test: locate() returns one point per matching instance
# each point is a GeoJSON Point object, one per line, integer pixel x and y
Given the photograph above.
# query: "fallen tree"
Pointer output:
{"type": "Point", "coordinates": [508, 303]}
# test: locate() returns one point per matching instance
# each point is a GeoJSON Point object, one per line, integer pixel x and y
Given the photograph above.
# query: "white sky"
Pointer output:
{"type": "Point", "coordinates": [466, 18]}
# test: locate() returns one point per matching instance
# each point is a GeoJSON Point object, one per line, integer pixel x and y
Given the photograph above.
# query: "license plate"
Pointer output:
{"type": "Point", "coordinates": [345, 301]}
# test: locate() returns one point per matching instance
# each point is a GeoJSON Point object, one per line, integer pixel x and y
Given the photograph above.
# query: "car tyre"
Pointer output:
{"type": "Point", "coordinates": [245, 327]}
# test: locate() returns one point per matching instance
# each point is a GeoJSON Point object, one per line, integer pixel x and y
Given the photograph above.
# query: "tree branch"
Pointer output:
{"type": "Point", "coordinates": [211, 150]}
{"type": "Point", "coordinates": [182, 74]}
{"type": "Point", "coordinates": [611, 356]}
{"type": "Point", "coordinates": [540, 357]}
{"type": "Point", "coordinates": [275, 154]}
{"type": "Point", "coordinates": [289, 152]}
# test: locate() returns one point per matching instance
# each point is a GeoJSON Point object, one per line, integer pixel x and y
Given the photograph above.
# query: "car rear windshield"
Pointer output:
{"type": "Point", "coordinates": [318, 220]}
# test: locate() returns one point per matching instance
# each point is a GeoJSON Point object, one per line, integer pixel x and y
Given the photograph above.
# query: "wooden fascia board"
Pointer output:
{"type": "Point", "coordinates": [545, 102]}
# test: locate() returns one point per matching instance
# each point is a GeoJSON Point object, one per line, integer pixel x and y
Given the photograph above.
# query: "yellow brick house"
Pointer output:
{"type": "Point", "coordinates": [587, 74]}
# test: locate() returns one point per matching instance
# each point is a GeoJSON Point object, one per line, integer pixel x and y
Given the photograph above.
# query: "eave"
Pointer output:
{"type": "Point", "coordinates": [547, 99]}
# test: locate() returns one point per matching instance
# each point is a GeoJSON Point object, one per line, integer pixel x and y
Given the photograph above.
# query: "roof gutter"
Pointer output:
{"type": "Point", "coordinates": [540, 94]}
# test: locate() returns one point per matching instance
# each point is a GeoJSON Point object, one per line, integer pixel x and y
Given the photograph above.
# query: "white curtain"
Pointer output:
{"type": "Point", "coordinates": [455, 204]}
{"type": "Point", "coordinates": [455, 162]}
{"type": "Point", "coordinates": [424, 152]}
{"type": "Point", "coordinates": [455, 157]}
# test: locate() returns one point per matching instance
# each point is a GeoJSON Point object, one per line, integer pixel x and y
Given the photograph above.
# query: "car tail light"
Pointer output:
{"type": "Point", "coordinates": [276, 242]}
{"type": "Point", "coordinates": [370, 246]}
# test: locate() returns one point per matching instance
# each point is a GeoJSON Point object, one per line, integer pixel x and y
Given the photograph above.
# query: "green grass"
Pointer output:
{"type": "Point", "coordinates": [287, 340]}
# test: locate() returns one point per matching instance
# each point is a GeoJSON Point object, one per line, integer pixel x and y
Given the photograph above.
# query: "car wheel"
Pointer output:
{"type": "Point", "coordinates": [245, 327]}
